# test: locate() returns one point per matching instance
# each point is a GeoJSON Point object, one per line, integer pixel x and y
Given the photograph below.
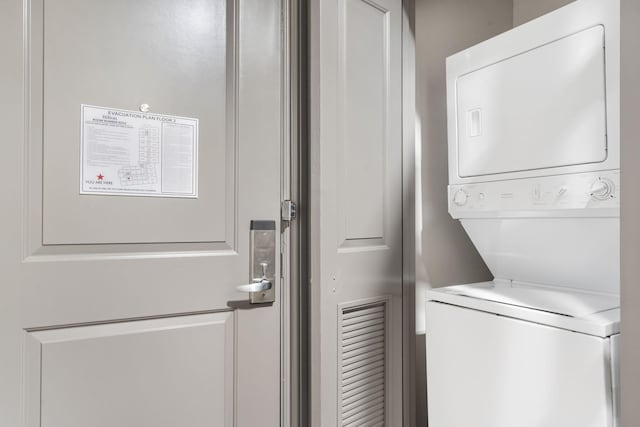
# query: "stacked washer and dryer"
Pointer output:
{"type": "Point", "coordinates": [534, 157]}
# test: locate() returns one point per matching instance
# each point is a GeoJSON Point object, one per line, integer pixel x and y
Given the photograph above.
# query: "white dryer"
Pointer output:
{"type": "Point", "coordinates": [533, 118]}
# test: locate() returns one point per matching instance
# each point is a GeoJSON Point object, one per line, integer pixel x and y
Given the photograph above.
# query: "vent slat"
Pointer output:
{"type": "Point", "coordinates": [363, 337]}
{"type": "Point", "coordinates": [357, 347]}
{"type": "Point", "coordinates": [362, 376]}
{"type": "Point", "coordinates": [364, 408]}
{"type": "Point", "coordinates": [363, 390]}
{"type": "Point", "coordinates": [362, 319]}
{"type": "Point", "coordinates": [366, 393]}
{"type": "Point", "coordinates": [358, 375]}
{"type": "Point", "coordinates": [361, 325]}
{"type": "Point", "coordinates": [358, 366]}
{"type": "Point", "coordinates": [355, 359]}
{"type": "Point", "coordinates": [359, 332]}
{"type": "Point", "coordinates": [365, 381]}
{"type": "Point", "coordinates": [374, 419]}
{"type": "Point", "coordinates": [362, 347]}
{"type": "Point", "coordinates": [350, 313]}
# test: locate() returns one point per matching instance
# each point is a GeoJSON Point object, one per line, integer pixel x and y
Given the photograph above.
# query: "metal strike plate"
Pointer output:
{"type": "Point", "coordinates": [288, 210]}
{"type": "Point", "coordinates": [263, 251]}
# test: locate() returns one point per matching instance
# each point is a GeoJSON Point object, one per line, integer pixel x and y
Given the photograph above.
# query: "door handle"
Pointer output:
{"type": "Point", "coordinates": [259, 286]}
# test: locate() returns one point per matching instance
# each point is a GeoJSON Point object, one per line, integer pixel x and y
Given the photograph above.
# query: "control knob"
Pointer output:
{"type": "Point", "coordinates": [460, 197]}
{"type": "Point", "coordinates": [602, 189]}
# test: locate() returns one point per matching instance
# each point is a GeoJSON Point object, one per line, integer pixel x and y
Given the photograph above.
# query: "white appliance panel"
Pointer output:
{"type": "Point", "coordinates": [520, 373]}
{"type": "Point", "coordinates": [572, 310]}
{"type": "Point", "coordinates": [540, 99]}
{"type": "Point", "coordinates": [543, 108]}
{"type": "Point", "coordinates": [593, 194]}
{"type": "Point", "coordinates": [581, 253]}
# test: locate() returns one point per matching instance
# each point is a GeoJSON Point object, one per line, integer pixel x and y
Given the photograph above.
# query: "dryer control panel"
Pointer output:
{"type": "Point", "coordinates": [584, 194]}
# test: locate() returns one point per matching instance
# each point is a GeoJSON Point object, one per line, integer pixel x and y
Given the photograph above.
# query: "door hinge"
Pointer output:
{"type": "Point", "coordinates": [288, 210]}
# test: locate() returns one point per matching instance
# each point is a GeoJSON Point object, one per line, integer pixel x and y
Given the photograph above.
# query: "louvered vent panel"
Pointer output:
{"type": "Point", "coordinates": [363, 365]}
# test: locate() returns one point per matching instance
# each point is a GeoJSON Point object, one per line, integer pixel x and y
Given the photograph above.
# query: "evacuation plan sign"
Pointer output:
{"type": "Point", "coordinates": [131, 153]}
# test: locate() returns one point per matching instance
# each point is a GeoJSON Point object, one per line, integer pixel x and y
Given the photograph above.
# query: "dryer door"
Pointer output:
{"type": "Point", "coordinates": [542, 108]}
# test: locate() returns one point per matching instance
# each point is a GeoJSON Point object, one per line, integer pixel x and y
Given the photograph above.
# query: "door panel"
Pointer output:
{"type": "Point", "coordinates": [176, 59]}
{"type": "Point", "coordinates": [363, 120]}
{"type": "Point", "coordinates": [72, 261]}
{"type": "Point", "coordinates": [356, 212]}
{"type": "Point", "coordinates": [162, 372]}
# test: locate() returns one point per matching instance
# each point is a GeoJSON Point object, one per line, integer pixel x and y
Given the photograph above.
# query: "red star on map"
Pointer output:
{"type": "Point", "coordinates": [100, 177]}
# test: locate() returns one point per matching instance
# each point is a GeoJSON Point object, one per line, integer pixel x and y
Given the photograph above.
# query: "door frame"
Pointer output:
{"type": "Point", "coordinates": [410, 152]}
{"type": "Point", "coordinates": [294, 243]}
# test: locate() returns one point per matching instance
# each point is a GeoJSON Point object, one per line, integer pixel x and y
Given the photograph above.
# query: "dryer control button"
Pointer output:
{"type": "Point", "coordinates": [562, 191]}
{"type": "Point", "coordinates": [460, 197]}
{"type": "Point", "coordinates": [537, 192]}
{"type": "Point", "coordinates": [602, 189]}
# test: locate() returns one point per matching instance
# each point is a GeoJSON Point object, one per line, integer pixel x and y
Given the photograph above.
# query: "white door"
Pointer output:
{"type": "Point", "coordinates": [356, 212]}
{"type": "Point", "coordinates": [121, 309]}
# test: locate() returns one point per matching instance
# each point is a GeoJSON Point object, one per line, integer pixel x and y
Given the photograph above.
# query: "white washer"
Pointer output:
{"type": "Point", "coordinates": [533, 118]}
{"type": "Point", "coordinates": [505, 354]}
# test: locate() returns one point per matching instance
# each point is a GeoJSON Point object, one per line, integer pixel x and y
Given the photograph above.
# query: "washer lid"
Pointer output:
{"type": "Point", "coordinates": [558, 301]}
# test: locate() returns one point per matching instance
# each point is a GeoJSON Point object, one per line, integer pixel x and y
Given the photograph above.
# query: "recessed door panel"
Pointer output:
{"type": "Point", "coordinates": [543, 108]}
{"type": "Point", "coordinates": [364, 122]}
{"type": "Point", "coordinates": [155, 373]}
{"type": "Point", "coordinates": [168, 55]}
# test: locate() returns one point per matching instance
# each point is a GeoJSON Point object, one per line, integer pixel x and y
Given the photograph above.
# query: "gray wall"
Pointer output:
{"type": "Point", "coordinates": [444, 254]}
{"type": "Point", "coordinates": [630, 239]}
{"type": "Point", "coordinates": [526, 10]}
